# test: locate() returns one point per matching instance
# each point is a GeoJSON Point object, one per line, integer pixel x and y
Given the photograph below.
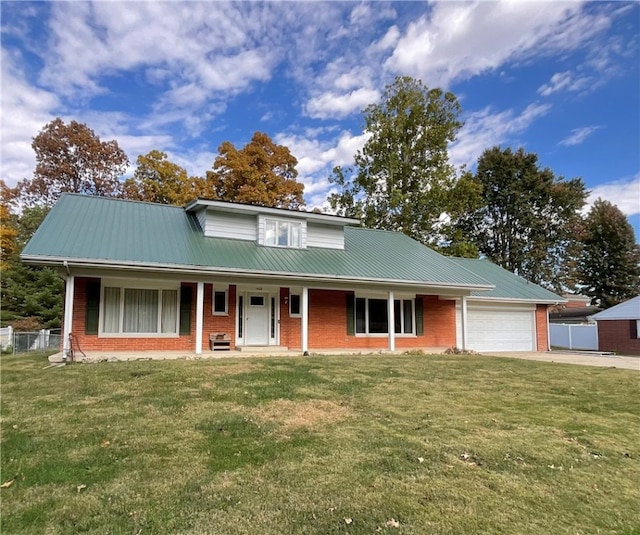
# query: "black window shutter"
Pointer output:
{"type": "Point", "coordinates": [419, 317]}
{"type": "Point", "coordinates": [351, 316]}
{"type": "Point", "coordinates": [185, 309]}
{"type": "Point", "coordinates": [633, 329]}
{"type": "Point", "coordinates": [93, 307]}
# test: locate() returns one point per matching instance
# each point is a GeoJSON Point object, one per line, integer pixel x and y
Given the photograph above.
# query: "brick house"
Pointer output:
{"type": "Point", "coordinates": [219, 275]}
{"type": "Point", "coordinates": [619, 328]}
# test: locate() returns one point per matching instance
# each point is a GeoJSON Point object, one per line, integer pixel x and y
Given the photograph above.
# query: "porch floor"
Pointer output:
{"type": "Point", "coordinates": [118, 356]}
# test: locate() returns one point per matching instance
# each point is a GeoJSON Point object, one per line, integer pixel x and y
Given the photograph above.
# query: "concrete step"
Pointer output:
{"type": "Point", "coordinates": [262, 349]}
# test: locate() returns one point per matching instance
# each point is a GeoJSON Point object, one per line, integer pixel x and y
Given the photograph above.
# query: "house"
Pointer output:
{"type": "Point", "coordinates": [220, 275]}
{"type": "Point", "coordinates": [619, 328]}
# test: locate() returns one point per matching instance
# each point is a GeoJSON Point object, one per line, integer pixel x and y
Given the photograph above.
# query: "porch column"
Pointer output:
{"type": "Point", "coordinates": [68, 316]}
{"type": "Point", "coordinates": [392, 323]}
{"type": "Point", "coordinates": [199, 316]}
{"type": "Point", "coordinates": [463, 322]}
{"type": "Point", "coordinates": [304, 331]}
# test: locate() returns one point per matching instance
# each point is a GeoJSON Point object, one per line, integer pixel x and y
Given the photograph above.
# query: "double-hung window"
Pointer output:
{"type": "Point", "coordinates": [372, 316]}
{"type": "Point", "coordinates": [139, 311]}
{"type": "Point", "coordinates": [280, 233]}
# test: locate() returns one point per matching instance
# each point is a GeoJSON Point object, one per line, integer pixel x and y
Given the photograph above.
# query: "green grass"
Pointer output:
{"type": "Point", "coordinates": [320, 445]}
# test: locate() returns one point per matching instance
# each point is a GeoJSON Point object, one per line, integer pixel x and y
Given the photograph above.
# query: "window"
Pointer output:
{"type": "Point", "coordinates": [283, 233]}
{"type": "Point", "coordinates": [294, 305]}
{"type": "Point", "coordinates": [372, 316]}
{"type": "Point", "coordinates": [139, 311]}
{"type": "Point", "coordinates": [273, 317]}
{"type": "Point", "coordinates": [220, 303]}
{"type": "Point", "coordinates": [256, 300]}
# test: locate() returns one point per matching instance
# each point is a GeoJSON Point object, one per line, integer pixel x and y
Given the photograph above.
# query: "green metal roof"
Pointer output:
{"type": "Point", "coordinates": [113, 232]}
{"type": "Point", "coordinates": [507, 286]}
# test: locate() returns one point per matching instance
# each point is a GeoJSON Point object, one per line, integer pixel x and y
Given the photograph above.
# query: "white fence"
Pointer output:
{"type": "Point", "coordinates": [24, 342]}
{"type": "Point", "coordinates": [568, 336]}
{"type": "Point", "coordinates": [6, 337]}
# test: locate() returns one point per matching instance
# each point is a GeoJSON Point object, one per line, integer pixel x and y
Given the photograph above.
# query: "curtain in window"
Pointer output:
{"type": "Point", "coordinates": [169, 310]}
{"type": "Point", "coordinates": [295, 235]}
{"type": "Point", "coordinates": [140, 311]}
{"type": "Point", "coordinates": [111, 320]}
{"type": "Point", "coordinates": [270, 232]}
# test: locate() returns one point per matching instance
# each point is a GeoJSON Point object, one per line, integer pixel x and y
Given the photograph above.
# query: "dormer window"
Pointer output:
{"type": "Point", "coordinates": [279, 233]}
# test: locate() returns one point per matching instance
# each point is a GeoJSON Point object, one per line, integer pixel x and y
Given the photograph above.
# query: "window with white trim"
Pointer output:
{"type": "Point", "coordinates": [294, 305]}
{"type": "Point", "coordinates": [135, 311]}
{"type": "Point", "coordinates": [372, 316]}
{"type": "Point", "coordinates": [278, 233]}
{"type": "Point", "coordinates": [220, 302]}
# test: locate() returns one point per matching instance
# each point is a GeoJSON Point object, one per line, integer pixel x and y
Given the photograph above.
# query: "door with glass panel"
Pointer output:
{"type": "Point", "coordinates": [257, 320]}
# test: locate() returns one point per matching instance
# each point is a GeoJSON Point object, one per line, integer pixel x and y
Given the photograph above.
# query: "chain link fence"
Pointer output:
{"type": "Point", "coordinates": [26, 342]}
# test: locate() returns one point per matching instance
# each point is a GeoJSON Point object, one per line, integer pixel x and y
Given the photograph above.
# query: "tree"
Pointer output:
{"type": "Point", "coordinates": [528, 218]}
{"type": "Point", "coordinates": [261, 173]}
{"type": "Point", "coordinates": [609, 265]}
{"type": "Point", "coordinates": [8, 228]}
{"type": "Point", "coordinates": [402, 176]}
{"type": "Point", "coordinates": [156, 179]}
{"type": "Point", "coordinates": [72, 158]}
{"type": "Point", "coordinates": [28, 291]}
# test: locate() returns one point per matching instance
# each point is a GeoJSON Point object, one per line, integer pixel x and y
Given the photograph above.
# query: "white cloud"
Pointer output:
{"type": "Point", "coordinates": [461, 40]}
{"type": "Point", "coordinates": [25, 110]}
{"type": "Point", "coordinates": [215, 46]}
{"type": "Point", "coordinates": [336, 105]}
{"type": "Point", "coordinates": [317, 157]}
{"type": "Point", "coordinates": [623, 193]}
{"type": "Point", "coordinates": [578, 135]}
{"type": "Point", "coordinates": [564, 81]}
{"type": "Point", "coordinates": [486, 128]}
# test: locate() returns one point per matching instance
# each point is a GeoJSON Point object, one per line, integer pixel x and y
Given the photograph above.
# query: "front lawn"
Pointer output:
{"type": "Point", "coordinates": [320, 445]}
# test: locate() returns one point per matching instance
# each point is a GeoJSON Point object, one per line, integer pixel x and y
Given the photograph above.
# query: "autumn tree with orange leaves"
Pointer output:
{"type": "Point", "coordinates": [261, 173]}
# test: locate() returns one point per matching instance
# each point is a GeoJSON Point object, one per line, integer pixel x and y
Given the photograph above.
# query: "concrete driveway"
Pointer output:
{"type": "Point", "coordinates": [606, 361]}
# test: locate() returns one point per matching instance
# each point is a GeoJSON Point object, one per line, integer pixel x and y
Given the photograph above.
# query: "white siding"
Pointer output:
{"type": "Point", "coordinates": [326, 236]}
{"type": "Point", "coordinates": [228, 225]}
{"type": "Point", "coordinates": [202, 218]}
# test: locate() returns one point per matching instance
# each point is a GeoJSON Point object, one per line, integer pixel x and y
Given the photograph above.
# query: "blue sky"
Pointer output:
{"type": "Point", "coordinates": [559, 79]}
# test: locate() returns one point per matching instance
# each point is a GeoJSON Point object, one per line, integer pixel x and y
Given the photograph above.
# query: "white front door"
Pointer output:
{"type": "Point", "coordinates": [257, 320]}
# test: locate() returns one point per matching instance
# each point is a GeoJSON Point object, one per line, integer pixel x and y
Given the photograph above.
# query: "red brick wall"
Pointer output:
{"type": "Point", "coordinates": [91, 342]}
{"type": "Point", "coordinates": [542, 333]}
{"type": "Point", "coordinates": [328, 324]}
{"type": "Point", "coordinates": [290, 328]}
{"type": "Point", "coordinates": [218, 324]}
{"type": "Point", "coordinates": [615, 335]}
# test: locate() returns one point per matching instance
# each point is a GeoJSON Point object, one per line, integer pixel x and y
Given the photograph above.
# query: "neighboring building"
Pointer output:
{"type": "Point", "coordinates": [142, 276]}
{"type": "Point", "coordinates": [619, 328]}
{"type": "Point", "coordinates": [576, 310]}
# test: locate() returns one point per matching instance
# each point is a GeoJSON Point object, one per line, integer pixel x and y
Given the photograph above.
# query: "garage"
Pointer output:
{"type": "Point", "coordinates": [497, 327]}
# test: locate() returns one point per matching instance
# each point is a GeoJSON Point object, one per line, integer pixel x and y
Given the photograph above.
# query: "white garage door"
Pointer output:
{"type": "Point", "coordinates": [498, 328]}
